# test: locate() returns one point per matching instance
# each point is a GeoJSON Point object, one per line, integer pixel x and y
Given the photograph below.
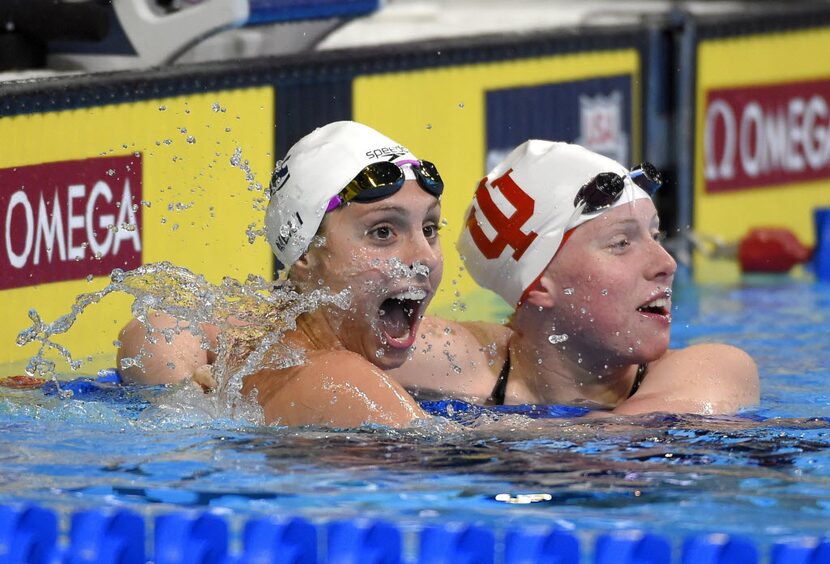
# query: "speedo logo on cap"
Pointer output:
{"type": "Point", "coordinates": [394, 151]}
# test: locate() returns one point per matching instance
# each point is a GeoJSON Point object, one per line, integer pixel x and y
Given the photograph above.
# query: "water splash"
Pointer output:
{"type": "Point", "coordinates": [252, 317]}
{"type": "Point", "coordinates": [555, 339]}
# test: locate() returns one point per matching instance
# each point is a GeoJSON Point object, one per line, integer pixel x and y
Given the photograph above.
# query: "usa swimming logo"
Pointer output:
{"type": "Point", "coordinates": [601, 125]}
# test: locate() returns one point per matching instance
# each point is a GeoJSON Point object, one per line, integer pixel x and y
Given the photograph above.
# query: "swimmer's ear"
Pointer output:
{"type": "Point", "coordinates": [540, 294]}
{"type": "Point", "coordinates": [301, 268]}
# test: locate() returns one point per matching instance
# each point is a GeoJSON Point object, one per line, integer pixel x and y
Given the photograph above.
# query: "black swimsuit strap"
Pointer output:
{"type": "Point", "coordinates": [500, 389]}
{"type": "Point", "coordinates": [638, 378]}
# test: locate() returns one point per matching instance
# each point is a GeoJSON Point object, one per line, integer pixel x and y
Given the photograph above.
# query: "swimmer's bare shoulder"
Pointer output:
{"type": "Point", "coordinates": [333, 388]}
{"type": "Point", "coordinates": [163, 361]}
{"type": "Point", "coordinates": [701, 379]}
{"type": "Point", "coordinates": [454, 359]}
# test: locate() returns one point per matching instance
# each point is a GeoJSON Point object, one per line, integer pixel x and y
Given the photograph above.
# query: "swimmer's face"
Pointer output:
{"type": "Point", "coordinates": [388, 255]}
{"type": "Point", "coordinates": [612, 288]}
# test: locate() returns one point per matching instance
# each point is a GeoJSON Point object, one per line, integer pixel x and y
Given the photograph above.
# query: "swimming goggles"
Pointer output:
{"type": "Point", "coordinates": [605, 188]}
{"type": "Point", "coordinates": [382, 179]}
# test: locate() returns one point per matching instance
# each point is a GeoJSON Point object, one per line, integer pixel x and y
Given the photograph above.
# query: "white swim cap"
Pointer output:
{"type": "Point", "coordinates": [523, 208]}
{"type": "Point", "coordinates": [315, 170]}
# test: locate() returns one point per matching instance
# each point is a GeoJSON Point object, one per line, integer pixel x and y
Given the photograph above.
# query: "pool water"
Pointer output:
{"type": "Point", "coordinates": [765, 474]}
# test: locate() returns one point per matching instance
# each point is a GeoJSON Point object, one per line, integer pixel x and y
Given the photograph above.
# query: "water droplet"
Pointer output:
{"type": "Point", "coordinates": [162, 108]}
{"type": "Point", "coordinates": [604, 291]}
{"type": "Point", "coordinates": [216, 107]}
{"type": "Point", "coordinates": [190, 139]}
{"type": "Point", "coordinates": [555, 339]}
{"type": "Point", "coordinates": [111, 172]}
{"type": "Point", "coordinates": [429, 126]}
{"type": "Point", "coordinates": [461, 105]}
{"type": "Point", "coordinates": [568, 291]}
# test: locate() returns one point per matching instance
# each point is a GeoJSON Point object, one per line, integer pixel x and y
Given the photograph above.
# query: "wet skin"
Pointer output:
{"type": "Point", "coordinates": [610, 290]}
{"type": "Point", "coordinates": [370, 250]}
{"type": "Point", "coordinates": [383, 253]}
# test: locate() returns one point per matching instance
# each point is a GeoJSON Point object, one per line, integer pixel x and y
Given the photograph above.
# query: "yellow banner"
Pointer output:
{"type": "Point", "coordinates": [194, 210]}
{"type": "Point", "coordinates": [762, 144]}
{"type": "Point", "coordinates": [440, 115]}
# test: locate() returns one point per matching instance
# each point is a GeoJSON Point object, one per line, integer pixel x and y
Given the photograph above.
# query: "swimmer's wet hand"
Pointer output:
{"type": "Point", "coordinates": [203, 377]}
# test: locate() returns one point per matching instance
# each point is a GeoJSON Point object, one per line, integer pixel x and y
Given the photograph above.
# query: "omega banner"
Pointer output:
{"type": "Point", "coordinates": [762, 136]}
{"type": "Point", "coordinates": [69, 220]}
{"type": "Point", "coordinates": [767, 135]}
{"type": "Point", "coordinates": [84, 191]}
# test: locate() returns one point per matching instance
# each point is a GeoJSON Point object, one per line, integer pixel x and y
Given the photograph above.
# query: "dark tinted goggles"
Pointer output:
{"type": "Point", "coordinates": [605, 188]}
{"type": "Point", "coordinates": [382, 179]}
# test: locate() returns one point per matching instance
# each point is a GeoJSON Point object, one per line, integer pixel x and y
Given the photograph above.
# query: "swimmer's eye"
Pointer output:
{"type": "Point", "coordinates": [381, 233]}
{"type": "Point", "coordinates": [431, 231]}
{"type": "Point", "coordinates": [620, 244]}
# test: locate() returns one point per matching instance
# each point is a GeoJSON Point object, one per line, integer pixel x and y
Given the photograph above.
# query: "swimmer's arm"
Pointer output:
{"type": "Point", "coordinates": [336, 388]}
{"type": "Point", "coordinates": [163, 362]}
{"type": "Point", "coordinates": [449, 360]}
{"type": "Point", "coordinates": [705, 379]}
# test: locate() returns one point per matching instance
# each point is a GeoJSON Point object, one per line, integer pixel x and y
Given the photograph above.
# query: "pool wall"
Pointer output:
{"type": "Point", "coordinates": [112, 170]}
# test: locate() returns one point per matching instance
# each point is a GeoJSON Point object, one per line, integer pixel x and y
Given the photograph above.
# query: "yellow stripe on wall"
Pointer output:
{"type": "Point", "coordinates": [755, 60]}
{"type": "Point", "coordinates": [199, 204]}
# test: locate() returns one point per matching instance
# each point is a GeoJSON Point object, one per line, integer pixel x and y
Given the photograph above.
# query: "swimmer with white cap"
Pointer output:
{"type": "Point", "coordinates": [350, 210]}
{"type": "Point", "coordinates": [571, 239]}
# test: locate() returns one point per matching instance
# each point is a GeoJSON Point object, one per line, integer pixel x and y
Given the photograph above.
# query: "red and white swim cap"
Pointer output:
{"type": "Point", "coordinates": [522, 209]}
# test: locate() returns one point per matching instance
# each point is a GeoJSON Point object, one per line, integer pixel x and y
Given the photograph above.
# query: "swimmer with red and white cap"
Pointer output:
{"type": "Point", "coordinates": [350, 210]}
{"type": "Point", "coordinates": [571, 239]}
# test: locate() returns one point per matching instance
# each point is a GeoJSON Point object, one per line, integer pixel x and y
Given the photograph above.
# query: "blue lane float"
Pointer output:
{"type": "Point", "coordinates": [29, 534]}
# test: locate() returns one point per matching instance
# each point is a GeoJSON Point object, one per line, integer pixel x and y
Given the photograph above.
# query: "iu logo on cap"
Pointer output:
{"type": "Point", "coordinates": [508, 228]}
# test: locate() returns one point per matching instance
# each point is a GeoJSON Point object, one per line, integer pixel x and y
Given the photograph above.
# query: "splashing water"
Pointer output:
{"type": "Point", "coordinates": [252, 316]}
{"type": "Point", "coordinates": [398, 269]}
{"type": "Point", "coordinates": [555, 339]}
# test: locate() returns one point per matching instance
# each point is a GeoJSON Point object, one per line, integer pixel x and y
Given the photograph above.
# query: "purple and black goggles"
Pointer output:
{"type": "Point", "coordinates": [382, 179]}
{"type": "Point", "coordinates": [605, 188]}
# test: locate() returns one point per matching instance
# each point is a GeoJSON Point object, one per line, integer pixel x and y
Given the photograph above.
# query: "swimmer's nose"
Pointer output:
{"type": "Point", "coordinates": [662, 264]}
{"type": "Point", "coordinates": [423, 256]}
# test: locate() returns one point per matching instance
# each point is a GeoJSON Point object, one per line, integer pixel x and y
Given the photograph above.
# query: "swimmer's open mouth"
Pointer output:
{"type": "Point", "coordinates": [658, 306]}
{"type": "Point", "coordinates": [400, 315]}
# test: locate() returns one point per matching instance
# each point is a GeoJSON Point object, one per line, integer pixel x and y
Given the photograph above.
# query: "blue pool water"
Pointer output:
{"type": "Point", "coordinates": [765, 475]}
